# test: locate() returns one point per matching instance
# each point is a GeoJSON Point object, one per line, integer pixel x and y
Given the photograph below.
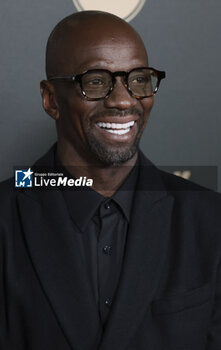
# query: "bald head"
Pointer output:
{"type": "Point", "coordinates": [76, 32]}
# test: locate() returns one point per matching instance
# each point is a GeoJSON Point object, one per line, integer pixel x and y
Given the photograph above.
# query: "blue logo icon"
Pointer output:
{"type": "Point", "coordinates": [23, 178]}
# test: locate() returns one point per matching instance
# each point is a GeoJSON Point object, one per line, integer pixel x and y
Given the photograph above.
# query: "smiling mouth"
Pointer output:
{"type": "Point", "coordinates": [116, 128]}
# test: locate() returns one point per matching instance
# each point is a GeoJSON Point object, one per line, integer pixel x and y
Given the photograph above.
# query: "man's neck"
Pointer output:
{"type": "Point", "coordinates": [106, 179]}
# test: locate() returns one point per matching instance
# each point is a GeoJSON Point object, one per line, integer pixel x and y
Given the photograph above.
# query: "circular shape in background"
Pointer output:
{"type": "Point", "coordinates": [126, 9]}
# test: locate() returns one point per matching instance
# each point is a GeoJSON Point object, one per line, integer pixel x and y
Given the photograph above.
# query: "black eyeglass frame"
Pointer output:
{"type": "Point", "coordinates": [78, 78]}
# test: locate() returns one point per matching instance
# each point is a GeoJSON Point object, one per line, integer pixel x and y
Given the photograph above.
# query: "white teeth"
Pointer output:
{"type": "Point", "coordinates": [122, 128]}
{"type": "Point", "coordinates": [116, 125]}
{"type": "Point", "coordinates": [118, 132]}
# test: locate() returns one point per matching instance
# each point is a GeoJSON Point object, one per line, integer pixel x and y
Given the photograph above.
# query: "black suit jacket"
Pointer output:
{"type": "Point", "coordinates": [170, 286]}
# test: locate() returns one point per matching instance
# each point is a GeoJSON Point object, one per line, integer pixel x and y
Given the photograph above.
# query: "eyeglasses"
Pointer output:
{"type": "Point", "coordinates": [97, 84]}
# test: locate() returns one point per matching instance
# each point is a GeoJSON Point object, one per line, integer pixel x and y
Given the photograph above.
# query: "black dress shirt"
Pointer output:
{"type": "Point", "coordinates": [100, 228]}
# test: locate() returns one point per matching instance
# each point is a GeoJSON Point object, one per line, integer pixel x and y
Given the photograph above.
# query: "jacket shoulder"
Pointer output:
{"type": "Point", "coordinates": [177, 183]}
{"type": "Point", "coordinates": [7, 189]}
{"type": "Point", "coordinates": [188, 194]}
{"type": "Point", "coordinates": [7, 206]}
{"type": "Point", "coordinates": [7, 195]}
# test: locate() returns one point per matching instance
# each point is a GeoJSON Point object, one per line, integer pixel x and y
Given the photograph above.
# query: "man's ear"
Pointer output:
{"type": "Point", "coordinates": [49, 102]}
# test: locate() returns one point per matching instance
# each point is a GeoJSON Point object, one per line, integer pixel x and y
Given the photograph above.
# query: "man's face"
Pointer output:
{"type": "Point", "coordinates": [80, 124]}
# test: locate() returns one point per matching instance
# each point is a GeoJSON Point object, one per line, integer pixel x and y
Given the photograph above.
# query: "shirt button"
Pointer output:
{"type": "Point", "coordinates": [108, 302]}
{"type": "Point", "coordinates": [107, 205]}
{"type": "Point", "coordinates": [107, 249]}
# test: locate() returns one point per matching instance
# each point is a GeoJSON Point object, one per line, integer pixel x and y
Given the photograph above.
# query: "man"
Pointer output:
{"type": "Point", "coordinates": [134, 262]}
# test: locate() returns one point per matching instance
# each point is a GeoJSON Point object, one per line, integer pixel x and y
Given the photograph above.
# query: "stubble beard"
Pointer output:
{"type": "Point", "coordinates": [111, 155]}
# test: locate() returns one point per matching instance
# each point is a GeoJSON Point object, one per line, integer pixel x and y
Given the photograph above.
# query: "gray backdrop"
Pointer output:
{"type": "Point", "coordinates": [181, 36]}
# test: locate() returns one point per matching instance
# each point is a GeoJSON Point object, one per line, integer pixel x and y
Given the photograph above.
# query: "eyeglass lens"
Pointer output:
{"type": "Point", "coordinates": [141, 82]}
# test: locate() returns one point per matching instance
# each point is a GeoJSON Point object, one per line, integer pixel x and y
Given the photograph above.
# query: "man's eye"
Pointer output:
{"type": "Point", "coordinates": [139, 80]}
{"type": "Point", "coordinates": [95, 82]}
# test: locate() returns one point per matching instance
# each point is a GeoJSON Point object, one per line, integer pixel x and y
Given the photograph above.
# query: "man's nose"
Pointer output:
{"type": "Point", "coordinates": [120, 97]}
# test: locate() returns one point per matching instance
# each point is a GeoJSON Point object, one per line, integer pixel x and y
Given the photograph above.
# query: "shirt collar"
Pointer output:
{"type": "Point", "coordinates": [83, 202]}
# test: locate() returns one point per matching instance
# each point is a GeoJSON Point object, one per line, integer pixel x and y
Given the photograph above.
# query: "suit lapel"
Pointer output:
{"type": "Point", "coordinates": [48, 233]}
{"type": "Point", "coordinates": [146, 249]}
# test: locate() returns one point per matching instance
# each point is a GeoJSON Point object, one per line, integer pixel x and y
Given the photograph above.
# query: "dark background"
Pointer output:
{"type": "Point", "coordinates": [182, 37]}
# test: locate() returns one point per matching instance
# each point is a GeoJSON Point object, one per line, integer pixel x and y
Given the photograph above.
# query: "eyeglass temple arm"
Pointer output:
{"type": "Point", "coordinates": [63, 77]}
